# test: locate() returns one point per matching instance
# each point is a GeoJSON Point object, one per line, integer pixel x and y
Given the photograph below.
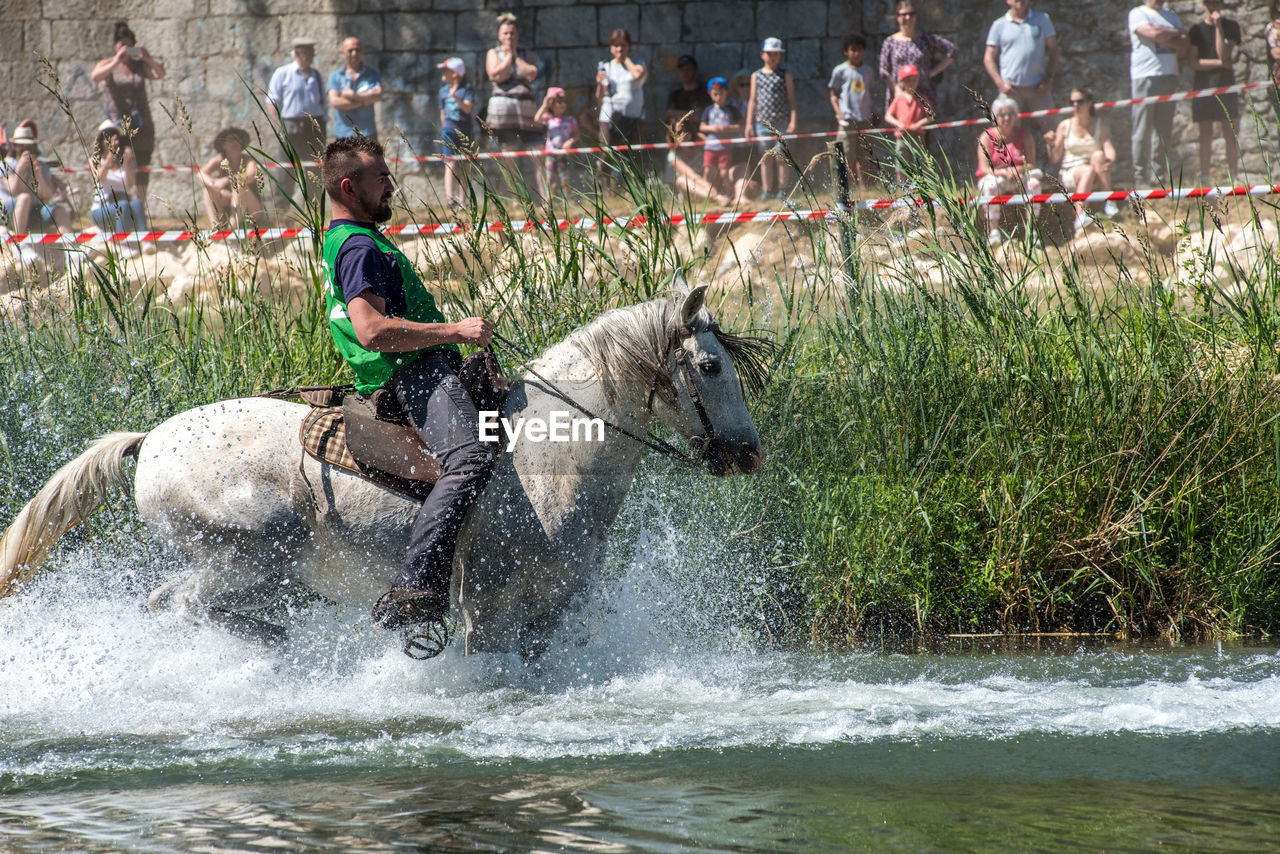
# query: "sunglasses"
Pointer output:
{"type": "Point", "coordinates": [1075, 102]}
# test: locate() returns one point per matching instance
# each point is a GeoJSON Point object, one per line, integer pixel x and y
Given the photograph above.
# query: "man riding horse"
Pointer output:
{"type": "Point", "coordinates": [385, 323]}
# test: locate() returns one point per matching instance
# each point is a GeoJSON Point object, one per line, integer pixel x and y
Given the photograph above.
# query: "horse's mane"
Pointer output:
{"type": "Point", "coordinates": [630, 346]}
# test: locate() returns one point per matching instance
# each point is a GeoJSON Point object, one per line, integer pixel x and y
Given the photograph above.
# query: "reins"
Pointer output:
{"type": "Point", "coordinates": [656, 443]}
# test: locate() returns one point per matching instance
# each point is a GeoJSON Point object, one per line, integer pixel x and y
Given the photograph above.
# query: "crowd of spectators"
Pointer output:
{"type": "Point", "coordinates": [1021, 56]}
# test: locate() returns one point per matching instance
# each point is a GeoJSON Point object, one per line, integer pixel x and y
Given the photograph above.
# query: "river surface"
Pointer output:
{"type": "Point", "coordinates": [120, 730]}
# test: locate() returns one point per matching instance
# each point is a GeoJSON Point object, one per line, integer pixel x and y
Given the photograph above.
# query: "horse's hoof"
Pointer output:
{"type": "Point", "coordinates": [426, 641]}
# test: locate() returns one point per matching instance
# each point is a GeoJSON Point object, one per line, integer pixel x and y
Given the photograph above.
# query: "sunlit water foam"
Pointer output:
{"type": "Point", "coordinates": [82, 661]}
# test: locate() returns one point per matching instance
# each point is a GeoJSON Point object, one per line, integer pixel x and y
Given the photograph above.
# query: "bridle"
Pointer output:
{"type": "Point", "coordinates": [700, 443]}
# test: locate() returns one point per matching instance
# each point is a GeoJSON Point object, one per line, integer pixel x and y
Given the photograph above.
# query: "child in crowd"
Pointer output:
{"type": "Point", "coordinates": [562, 133]}
{"type": "Point", "coordinates": [851, 101]}
{"type": "Point", "coordinates": [771, 107]}
{"type": "Point", "coordinates": [908, 114]}
{"type": "Point", "coordinates": [719, 120]}
{"type": "Point", "coordinates": [456, 101]}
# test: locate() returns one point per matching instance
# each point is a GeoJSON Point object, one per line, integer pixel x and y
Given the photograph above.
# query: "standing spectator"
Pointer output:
{"type": "Point", "coordinates": [850, 90]}
{"type": "Point", "coordinates": [456, 102]}
{"type": "Point", "coordinates": [511, 70]}
{"type": "Point", "coordinates": [1022, 57]}
{"type": "Point", "coordinates": [928, 53]}
{"type": "Point", "coordinates": [29, 176]}
{"type": "Point", "coordinates": [116, 206]}
{"type": "Point", "coordinates": [719, 120]}
{"type": "Point", "coordinates": [1273, 54]}
{"type": "Point", "coordinates": [1156, 38]}
{"type": "Point", "coordinates": [295, 99]}
{"type": "Point", "coordinates": [1006, 162]}
{"type": "Point", "coordinates": [353, 90]}
{"type": "Point", "coordinates": [620, 91]}
{"type": "Point", "coordinates": [125, 74]}
{"type": "Point", "coordinates": [562, 133]}
{"type": "Point", "coordinates": [908, 114]}
{"type": "Point", "coordinates": [688, 99]}
{"type": "Point", "coordinates": [1212, 41]}
{"type": "Point", "coordinates": [1083, 144]}
{"type": "Point", "coordinates": [230, 180]}
{"type": "Point", "coordinates": [771, 107]}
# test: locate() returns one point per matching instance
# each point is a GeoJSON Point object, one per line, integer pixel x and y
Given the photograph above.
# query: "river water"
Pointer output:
{"type": "Point", "coordinates": [126, 731]}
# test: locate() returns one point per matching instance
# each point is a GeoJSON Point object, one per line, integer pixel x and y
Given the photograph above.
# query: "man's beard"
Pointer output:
{"type": "Point", "coordinates": [382, 212]}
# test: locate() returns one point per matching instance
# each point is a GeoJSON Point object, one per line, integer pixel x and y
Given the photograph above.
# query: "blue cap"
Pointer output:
{"type": "Point", "coordinates": [717, 81]}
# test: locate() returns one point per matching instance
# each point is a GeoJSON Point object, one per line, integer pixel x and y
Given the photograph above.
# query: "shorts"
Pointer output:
{"type": "Point", "coordinates": [1222, 108]}
{"type": "Point", "coordinates": [721, 159]}
{"type": "Point", "coordinates": [454, 141]}
{"type": "Point", "coordinates": [767, 139]}
{"type": "Point", "coordinates": [857, 146]}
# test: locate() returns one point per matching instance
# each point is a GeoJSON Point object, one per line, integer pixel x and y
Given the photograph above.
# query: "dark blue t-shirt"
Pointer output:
{"type": "Point", "coordinates": [362, 266]}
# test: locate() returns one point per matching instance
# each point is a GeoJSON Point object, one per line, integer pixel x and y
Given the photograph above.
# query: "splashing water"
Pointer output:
{"type": "Point", "coordinates": [652, 684]}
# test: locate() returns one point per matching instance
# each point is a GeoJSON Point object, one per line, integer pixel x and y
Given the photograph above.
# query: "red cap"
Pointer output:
{"type": "Point", "coordinates": [908, 70]}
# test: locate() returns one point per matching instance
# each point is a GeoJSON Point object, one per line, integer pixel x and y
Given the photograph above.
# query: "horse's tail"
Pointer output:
{"type": "Point", "coordinates": [72, 495]}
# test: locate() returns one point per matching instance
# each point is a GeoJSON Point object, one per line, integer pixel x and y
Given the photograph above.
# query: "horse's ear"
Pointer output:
{"type": "Point", "coordinates": [692, 304]}
{"type": "Point", "coordinates": [679, 284]}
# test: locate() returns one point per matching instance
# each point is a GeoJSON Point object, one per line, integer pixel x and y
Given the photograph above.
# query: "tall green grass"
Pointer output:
{"type": "Point", "coordinates": [1021, 441]}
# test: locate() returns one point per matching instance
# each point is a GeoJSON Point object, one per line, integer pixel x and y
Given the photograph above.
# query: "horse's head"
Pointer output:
{"type": "Point", "coordinates": [709, 369]}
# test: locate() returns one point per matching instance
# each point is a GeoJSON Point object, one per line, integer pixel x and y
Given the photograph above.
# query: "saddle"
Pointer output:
{"type": "Point", "coordinates": [372, 437]}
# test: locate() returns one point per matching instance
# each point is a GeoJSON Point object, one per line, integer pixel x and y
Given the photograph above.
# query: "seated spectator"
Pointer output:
{"type": "Point", "coordinates": [687, 101]}
{"type": "Point", "coordinates": [720, 121]}
{"type": "Point", "coordinates": [1006, 162]}
{"type": "Point", "coordinates": [1083, 145]}
{"type": "Point", "coordinates": [562, 133]}
{"type": "Point", "coordinates": [116, 206]}
{"type": "Point", "coordinates": [26, 174]}
{"type": "Point", "coordinates": [230, 180]}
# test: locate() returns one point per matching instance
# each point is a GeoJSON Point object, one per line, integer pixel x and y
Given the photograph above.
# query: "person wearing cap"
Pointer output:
{"type": "Point", "coordinates": [230, 181]}
{"type": "Point", "coordinates": [353, 90]}
{"type": "Point", "coordinates": [125, 74]}
{"type": "Point", "coordinates": [295, 100]}
{"type": "Point", "coordinates": [33, 188]}
{"type": "Point", "coordinates": [689, 97]}
{"type": "Point", "coordinates": [908, 114]}
{"type": "Point", "coordinates": [116, 206]}
{"type": "Point", "coordinates": [386, 325]}
{"type": "Point", "coordinates": [771, 109]}
{"type": "Point", "coordinates": [456, 136]}
{"type": "Point", "coordinates": [562, 133]}
{"type": "Point", "coordinates": [911, 45]}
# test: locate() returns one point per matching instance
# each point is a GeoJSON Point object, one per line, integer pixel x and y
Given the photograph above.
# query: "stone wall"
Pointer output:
{"type": "Point", "coordinates": [212, 48]}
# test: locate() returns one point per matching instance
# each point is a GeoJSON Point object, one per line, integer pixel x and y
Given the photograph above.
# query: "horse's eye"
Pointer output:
{"type": "Point", "coordinates": [710, 367]}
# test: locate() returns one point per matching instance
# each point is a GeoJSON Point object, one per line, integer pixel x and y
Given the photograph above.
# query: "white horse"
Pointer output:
{"type": "Point", "coordinates": [229, 486]}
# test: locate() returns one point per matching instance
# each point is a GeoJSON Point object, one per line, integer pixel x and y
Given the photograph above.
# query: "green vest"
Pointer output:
{"type": "Point", "coordinates": [373, 369]}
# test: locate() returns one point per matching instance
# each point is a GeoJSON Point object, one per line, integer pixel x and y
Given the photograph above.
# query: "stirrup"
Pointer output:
{"type": "Point", "coordinates": [426, 640]}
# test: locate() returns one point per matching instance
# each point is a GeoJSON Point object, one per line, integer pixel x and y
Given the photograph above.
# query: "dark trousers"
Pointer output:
{"type": "Point", "coordinates": [307, 138]}
{"type": "Point", "coordinates": [445, 417]}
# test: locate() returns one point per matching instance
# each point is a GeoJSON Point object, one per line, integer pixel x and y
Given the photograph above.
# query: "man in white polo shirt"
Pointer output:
{"type": "Point", "coordinates": [1156, 38]}
{"type": "Point", "coordinates": [1022, 57]}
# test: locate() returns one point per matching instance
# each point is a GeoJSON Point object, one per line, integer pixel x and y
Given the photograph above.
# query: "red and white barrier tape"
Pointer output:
{"type": "Point", "coordinates": [743, 140]}
{"type": "Point", "coordinates": [726, 218]}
